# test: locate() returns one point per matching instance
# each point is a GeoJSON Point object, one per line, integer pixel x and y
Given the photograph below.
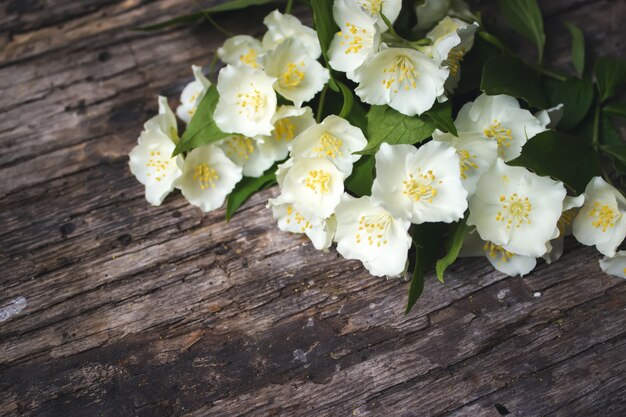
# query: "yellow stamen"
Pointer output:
{"type": "Point", "coordinates": [502, 135]}
{"type": "Point", "coordinates": [205, 175]}
{"type": "Point", "coordinates": [318, 180]}
{"type": "Point", "coordinates": [515, 211]}
{"type": "Point", "coordinates": [606, 216]}
{"type": "Point", "coordinates": [420, 187]}
{"type": "Point", "coordinates": [329, 145]}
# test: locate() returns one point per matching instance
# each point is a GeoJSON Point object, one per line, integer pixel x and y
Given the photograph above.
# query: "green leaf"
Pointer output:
{"type": "Point", "coordinates": [246, 187]}
{"type": "Point", "coordinates": [473, 63]}
{"type": "Point", "coordinates": [509, 75]}
{"type": "Point", "coordinates": [616, 151]}
{"type": "Point", "coordinates": [576, 96]}
{"type": "Point", "coordinates": [616, 109]}
{"type": "Point", "coordinates": [610, 74]}
{"type": "Point", "coordinates": [454, 244]}
{"type": "Point", "coordinates": [194, 17]}
{"type": "Point", "coordinates": [525, 18]}
{"type": "Point", "coordinates": [324, 23]}
{"type": "Point", "coordinates": [348, 99]}
{"type": "Point", "coordinates": [440, 115]}
{"type": "Point", "coordinates": [578, 48]}
{"type": "Point", "coordinates": [561, 156]}
{"type": "Point", "coordinates": [362, 177]}
{"type": "Point", "coordinates": [384, 124]}
{"type": "Point", "coordinates": [202, 129]}
{"type": "Point", "coordinates": [427, 239]}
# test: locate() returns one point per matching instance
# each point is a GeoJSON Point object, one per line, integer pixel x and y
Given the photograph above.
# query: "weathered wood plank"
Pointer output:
{"type": "Point", "coordinates": [139, 310]}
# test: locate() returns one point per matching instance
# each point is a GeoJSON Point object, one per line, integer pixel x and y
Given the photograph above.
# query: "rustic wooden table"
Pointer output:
{"type": "Point", "coordinates": [133, 310]}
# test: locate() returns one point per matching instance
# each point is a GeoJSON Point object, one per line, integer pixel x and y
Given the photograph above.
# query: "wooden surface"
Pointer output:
{"type": "Point", "coordinates": [135, 310]}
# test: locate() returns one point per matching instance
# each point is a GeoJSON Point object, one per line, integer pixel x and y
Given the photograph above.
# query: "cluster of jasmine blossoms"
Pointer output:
{"type": "Point", "coordinates": [257, 130]}
{"type": "Point", "coordinates": [514, 216]}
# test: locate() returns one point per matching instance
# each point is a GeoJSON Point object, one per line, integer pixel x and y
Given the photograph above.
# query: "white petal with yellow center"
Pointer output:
{"type": "Point", "coordinates": [501, 259]}
{"type": "Point", "coordinates": [356, 41]}
{"type": "Point", "coordinates": [500, 119]}
{"type": "Point", "coordinates": [390, 8]}
{"type": "Point", "coordinates": [208, 177]}
{"type": "Point", "coordinates": [405, 79]}
{"type": "Point", "coordinates": [296, 219]}
{"type": "Point", "coordinates": [371, 234]}
{"type": "Point", "coordinates": [516, 209]}
{"type": "Point", "coordinates": [452, 39]}
{"type": "Point", "coordinates": [289, 122]}
{"type": "Point", "coordinates": [615, 265]}
{"type": "Point", "coordinates": [334, 139]}
{"type": "Point", "coordinates": [192, 94]}
{"type": "Point", "coordinates": [241, 50]}
{"type": "Point", "coordinates": [602, 219]}
{"type": "Point", "coordinates": [476, 154]}
{"type": "Point", "coordinates": [312, 183]}
{"type": "Point", "coordinates": [247, 101]}
{"type": "Point", "coordinates": [298, 76]}
{"type": "Point", "coordinates": [281, 27]}
{"type": "Point", "coordinates": [245, 152]}
{"type": "Point", "coordinates": [152, 164]}
{"type": "Point", "coordinates": [421, 185]}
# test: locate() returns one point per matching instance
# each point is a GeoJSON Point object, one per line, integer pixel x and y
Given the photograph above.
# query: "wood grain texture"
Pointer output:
{"type": "Point", "coordinates": [135, 310]}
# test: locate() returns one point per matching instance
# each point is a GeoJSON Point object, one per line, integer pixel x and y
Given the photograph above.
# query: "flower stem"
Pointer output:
{"type": "Point", "coordinates": [320, 105]}
{"type": "Point", "coordinates": [289, 6]}
{"type": "Point", "coordinates": [595, 139]}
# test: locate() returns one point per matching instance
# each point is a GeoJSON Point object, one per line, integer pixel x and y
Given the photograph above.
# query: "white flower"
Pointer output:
{"type": "Point", "coordinates": [313, 183]}
{"type": "Point", "coordinates": [208, 177]}
{"type": "Point", "coordinates": [476, 154]}
{"type": "Point", "coordinates": [369, 233]}
{"type": "Point", "coordinates": [615, 265]}
{"type": "Point", "coordinates": [247, 101]}
{"type": "Point", "coordinates": [299, 220]}
{"type": "Point", "coordinates": [500, 258]}
{"type": "Point", "coordinates": [499, 118]}
{"type": "Point", "coordinates": [601, 220]}
{"type": "Point", "coordinates": [405, 79]}
{"type": "Point", "coordinates": [298, 76]}
{"type": "Point", "coordinates": [357, 39]}
{"type": "Point", "coordinates": [288, 123]}
{"type": "Point", "coordinates": [192, 94]}
{"type": "Point", "coordinates": [334, 139]}
{"type": "Point", "coordinates": [151, 160]}
{"type": "Point", "coordinates": [564, 225]}
{"type": "Point", "coordinates": [421, 185]}
{"type": "Point", "coordinates": [165, 121]}
{"type": "Point", "coordinates": [452, 39]}
{"type": "Point", "coordinates": [390, 8]}
{"type": "Point", "coordinates": [516, 209]}
{"type": "Point", "coordinates": [283, 26]}
{"type": "Point", "coordinates": [241, 50]}
{"type": "Point", "coordinates": [245, 152]}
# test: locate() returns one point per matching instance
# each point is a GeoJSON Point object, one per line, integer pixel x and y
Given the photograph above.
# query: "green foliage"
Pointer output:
{"type": "Point", "coordinates": [194, 17]}
{"type": "Point", "coordinates": [246, 188]}
{"type": "Point", "coordinates": [616, 109]}
{"type": "Point", "coordinates": [426, 239]}
{"type": "Point", "coordinates": [362, 177]}
{"type": "Point", "coordinates": [453, 246]}
{"type": "Point", "coordinates": [202, 129]}
{"type": "Point", "coordinates": [578, 48]}
{"type": "Point", "coordinates": [610, 74]}
{"type": "Point", "coordinates": [384, 124]}
{"type": "Point", "coordinates": [509, 75]}
{"type": "Point", "coordinates": [348, 99]}
{"type": "Point", "coordinates": [576, 95]}
{"type": "Point", "coordinates": [440, 115]}
{"type": "Point", "coordinates": [324, 23]}
{"type": "Point", "coordinates": [525, 18]}
{"type": "Point", "coordinates": [473, 63]}
{"type": "Point", "coordinates": [561, 156]}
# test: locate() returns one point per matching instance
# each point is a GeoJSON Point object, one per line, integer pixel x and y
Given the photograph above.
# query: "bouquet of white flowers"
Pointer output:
{"type": "Point", "coordinates": [429, 137]}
